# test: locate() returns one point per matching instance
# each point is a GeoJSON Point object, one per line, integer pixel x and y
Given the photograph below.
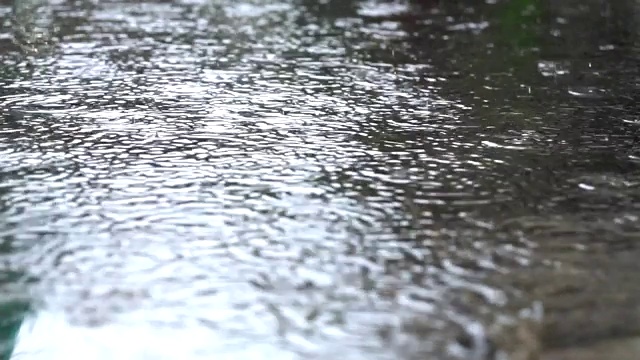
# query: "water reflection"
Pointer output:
{"type": "Point", "coordinates": [365, 178]}
{"type": "Point", "coordinates": [13, 314]}
{"type": "Point", "coordinates": [14, 305]}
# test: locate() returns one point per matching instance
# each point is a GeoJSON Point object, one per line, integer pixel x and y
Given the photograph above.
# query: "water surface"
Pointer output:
{"type": "Point", "coordinates": [312, 179]}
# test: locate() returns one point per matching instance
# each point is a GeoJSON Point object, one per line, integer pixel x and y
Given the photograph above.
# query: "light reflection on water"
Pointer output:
{"type": "Point", "coordinates": [363, 180]}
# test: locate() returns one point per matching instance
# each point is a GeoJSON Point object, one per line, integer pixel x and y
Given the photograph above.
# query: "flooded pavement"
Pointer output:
{"type": "Point", "coordinates": [310, 179]}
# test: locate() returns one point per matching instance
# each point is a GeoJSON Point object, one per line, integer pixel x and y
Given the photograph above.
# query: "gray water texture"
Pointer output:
{"type": "Point", "coordinates": [210, 179]}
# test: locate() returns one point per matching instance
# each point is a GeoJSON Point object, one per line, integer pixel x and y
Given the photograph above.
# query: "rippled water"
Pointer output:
{"type": "Point", "coordinates": [312, 179]}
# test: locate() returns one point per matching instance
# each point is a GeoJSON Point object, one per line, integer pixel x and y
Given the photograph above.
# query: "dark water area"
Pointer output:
{"type": "Point", "coordinates": [294, 179]}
